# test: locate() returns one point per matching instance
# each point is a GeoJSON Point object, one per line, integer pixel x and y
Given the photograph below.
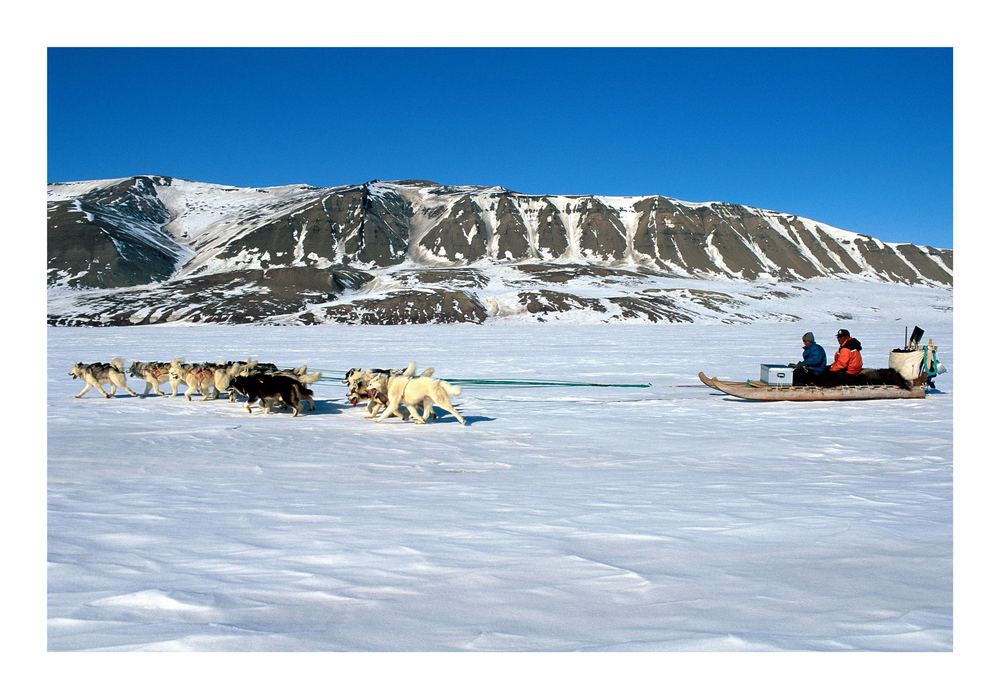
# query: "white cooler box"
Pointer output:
{"type": "Point", "coordinates": [776, 374]}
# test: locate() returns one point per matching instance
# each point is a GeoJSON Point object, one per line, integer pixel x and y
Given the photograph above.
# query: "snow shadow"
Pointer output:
{"type": "Point", "coordinates": [443, 417]}
{"type": "Point", "coordinates": [327, 407]}
{"type": "Point", "coordinates": [323, 407]}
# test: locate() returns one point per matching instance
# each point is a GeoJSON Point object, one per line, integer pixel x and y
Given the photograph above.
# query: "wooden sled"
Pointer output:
{"type": "Point", "coordinates": [755, 390]}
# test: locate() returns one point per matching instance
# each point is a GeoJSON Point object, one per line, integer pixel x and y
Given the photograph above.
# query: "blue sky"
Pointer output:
{"type": "Point", "coordinates": [856, 138]}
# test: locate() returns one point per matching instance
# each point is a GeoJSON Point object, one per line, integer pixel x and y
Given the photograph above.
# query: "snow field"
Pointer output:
{"type": "Point", "coordinates": [669, 518]}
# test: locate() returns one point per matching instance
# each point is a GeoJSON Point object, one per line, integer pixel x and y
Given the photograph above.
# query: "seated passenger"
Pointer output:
{"type": "Point", "coordinates": [810, 370]}
{"type": "Point", "coordinates": [847, 361]}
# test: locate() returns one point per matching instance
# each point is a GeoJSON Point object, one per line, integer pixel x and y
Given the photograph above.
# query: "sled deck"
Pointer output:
{"type": "Point", "coordinates": [755, 390]}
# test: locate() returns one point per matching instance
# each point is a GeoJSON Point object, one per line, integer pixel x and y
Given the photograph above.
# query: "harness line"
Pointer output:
{"type": "Point", "coordinates": [503, 382]}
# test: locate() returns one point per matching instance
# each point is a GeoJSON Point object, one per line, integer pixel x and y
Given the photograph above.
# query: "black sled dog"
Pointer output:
{"type": "Point", "coordinates": [271, 389]}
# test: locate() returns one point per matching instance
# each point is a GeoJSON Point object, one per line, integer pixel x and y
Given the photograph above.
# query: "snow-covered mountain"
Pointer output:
{"type": "Point", "coordinates": [150, 249]}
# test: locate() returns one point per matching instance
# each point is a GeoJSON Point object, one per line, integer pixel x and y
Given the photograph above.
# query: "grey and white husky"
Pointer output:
{"type": "Point", "coordinates": [98, 373]}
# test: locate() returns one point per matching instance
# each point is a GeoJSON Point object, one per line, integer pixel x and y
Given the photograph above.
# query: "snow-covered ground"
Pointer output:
{"type": "Point", "coordinates": [667, 518]}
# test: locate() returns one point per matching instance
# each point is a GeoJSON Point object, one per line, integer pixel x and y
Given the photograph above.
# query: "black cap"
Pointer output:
{"type": "Point", "coordinates": [843, 333]}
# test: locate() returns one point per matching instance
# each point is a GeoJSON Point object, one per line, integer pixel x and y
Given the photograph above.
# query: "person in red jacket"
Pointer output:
{"type": "Point", "coordinates": [847, 361]}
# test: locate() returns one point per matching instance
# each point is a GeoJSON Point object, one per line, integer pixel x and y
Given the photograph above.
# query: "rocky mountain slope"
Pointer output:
{"type": "Point", "coordinates": [152, 249]}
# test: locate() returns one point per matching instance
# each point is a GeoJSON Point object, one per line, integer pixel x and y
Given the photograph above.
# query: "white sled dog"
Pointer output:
{"type": "Point", "coordinates": [414, 393]}
{"type": "Point", "coordinates": [98, 373]}
{"type": "Point", "coordinates": [358, 380]}
{"type": "Point", "coordinates": [154, 374]}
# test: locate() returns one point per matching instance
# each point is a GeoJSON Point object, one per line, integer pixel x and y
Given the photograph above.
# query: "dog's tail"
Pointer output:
{"type": "Point", "coordinates": [410, 370]}
{"type": "Point", "coordinates": [119, 364]}
{"type": "Point", "coordinates": [427, 372]}
{"type": "Point", "coordinates": [176, 361]}
{"type": "Point", "coordinates": [309, 378]}
{"type": "Point", "coordinates": [450, 389]}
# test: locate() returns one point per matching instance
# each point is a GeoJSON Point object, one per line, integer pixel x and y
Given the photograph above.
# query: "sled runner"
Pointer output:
{"type": "Point", "coordinates": [756, 390]}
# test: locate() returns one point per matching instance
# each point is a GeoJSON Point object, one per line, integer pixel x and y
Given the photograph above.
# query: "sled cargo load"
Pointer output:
{"type": "Point", "coordinates": [916, 359]}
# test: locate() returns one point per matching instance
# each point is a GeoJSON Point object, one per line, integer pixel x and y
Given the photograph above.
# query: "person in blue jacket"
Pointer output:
{"type": "Point", "coordinates": [809, 372]}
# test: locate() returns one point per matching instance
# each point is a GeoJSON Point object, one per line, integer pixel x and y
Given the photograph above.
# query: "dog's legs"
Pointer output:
{"type": "Point", "coordinates": [372, 409]}
{"type": "Point", "coordinates": [390, 410]}
{"type": "Point", "coordinates": [429, 409]}
{"type": "Point", "coordinates": [443, 402]}
{"type": "Point", "coordinates": [415, 413]}
{"type": "Point", "coordinates": [124, 387]}
{"type": "Point", "coordinates": [86, 387]}
{"type": "Point", "coordinates": [189, 392]}
{"type": "Point", "coordinates": [156, 389]}
{"type": "Point", "coordinates": [106, 394]}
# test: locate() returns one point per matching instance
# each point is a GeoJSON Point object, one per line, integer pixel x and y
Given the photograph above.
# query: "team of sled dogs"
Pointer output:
{"type": "Point", "coordinates": [386, 391]}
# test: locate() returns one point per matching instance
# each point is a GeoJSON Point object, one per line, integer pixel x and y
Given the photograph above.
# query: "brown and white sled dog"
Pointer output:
{"type": "Point", "coordinates": [197, 377]}
{"type": "Point", "coordinates": [414, 393]}
{"type": "Point", "coordinates": [154, 374]}
{"type": "Point", "coordinates": [98, 373]}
